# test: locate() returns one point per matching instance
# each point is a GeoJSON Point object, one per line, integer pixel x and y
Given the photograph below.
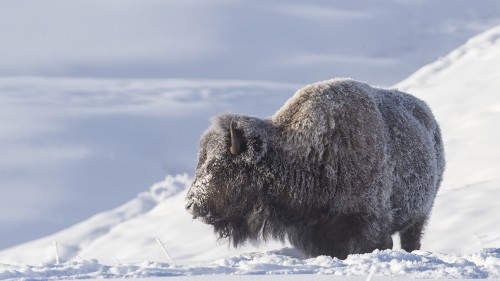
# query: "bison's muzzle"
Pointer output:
{"type": "Point", "coordinates": [200, 213]}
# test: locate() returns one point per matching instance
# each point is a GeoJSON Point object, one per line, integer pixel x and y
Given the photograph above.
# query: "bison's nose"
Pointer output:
{"type": "Point", "coordinates": [190, 207]}
{"type": "Point", "coordinates": [195, 210]}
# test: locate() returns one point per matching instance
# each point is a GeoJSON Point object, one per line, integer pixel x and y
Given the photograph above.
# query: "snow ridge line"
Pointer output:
{"type": "Point", "coordinates": [474, 46]}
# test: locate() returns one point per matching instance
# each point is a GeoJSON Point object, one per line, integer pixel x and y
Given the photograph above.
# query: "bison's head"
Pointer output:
{"type": "Point", "coordinates": [231, 178]}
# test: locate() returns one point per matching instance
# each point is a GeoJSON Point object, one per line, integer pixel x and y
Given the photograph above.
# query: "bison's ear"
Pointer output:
{"type": "Point", "coordinates": [235, 147]}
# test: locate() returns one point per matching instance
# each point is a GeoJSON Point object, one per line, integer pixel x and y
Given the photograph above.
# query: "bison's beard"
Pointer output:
{"type": "Point", "coordinates": [260, 224]}
{"type": "Point", "coordinates": [314, 232]}
{"type": "Point", "coordinates": [235, 230]}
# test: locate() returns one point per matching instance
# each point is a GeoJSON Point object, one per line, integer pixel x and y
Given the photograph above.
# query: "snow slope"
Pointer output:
{"type": "Point", "coordinates": [462, 88]}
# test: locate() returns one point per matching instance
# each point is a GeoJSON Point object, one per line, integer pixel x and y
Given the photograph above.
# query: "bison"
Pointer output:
{"type": "Point", "coordinates": [336, 171]}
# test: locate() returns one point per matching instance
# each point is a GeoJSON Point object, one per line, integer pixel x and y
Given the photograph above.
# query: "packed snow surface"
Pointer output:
{"type": "Point", "coordinates": [418, 264]}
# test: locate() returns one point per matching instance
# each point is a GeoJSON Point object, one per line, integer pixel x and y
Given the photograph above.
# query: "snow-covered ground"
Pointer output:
{"type": "Point", "coordinates": [419, 264]}
{"type": "Point", "coordinates": [462, 239]}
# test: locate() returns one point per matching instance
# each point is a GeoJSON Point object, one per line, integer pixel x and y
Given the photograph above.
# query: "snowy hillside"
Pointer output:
{"type": "Point", "coordinates": [462, 88]}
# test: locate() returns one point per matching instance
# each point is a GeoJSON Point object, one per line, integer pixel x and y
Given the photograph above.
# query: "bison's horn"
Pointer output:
{"type": "Point", "coordinates": [235, 142]}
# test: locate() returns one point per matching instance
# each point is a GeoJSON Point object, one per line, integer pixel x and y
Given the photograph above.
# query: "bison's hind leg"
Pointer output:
{"type": "Point", "coordinates": [410, 236]}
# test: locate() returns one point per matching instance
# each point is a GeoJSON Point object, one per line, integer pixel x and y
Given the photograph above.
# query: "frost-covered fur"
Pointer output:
{"type": "Point", "coordinates": [337, 170]}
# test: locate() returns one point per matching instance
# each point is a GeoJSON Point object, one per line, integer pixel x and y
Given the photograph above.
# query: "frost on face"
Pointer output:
{"type": "Point", "coordinates": [196, 196]}
{"type": "Point", "coordinates": [200, 186]}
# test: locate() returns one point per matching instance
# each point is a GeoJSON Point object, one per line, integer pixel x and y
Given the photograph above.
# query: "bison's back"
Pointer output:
{"type": "Point", "coordinates": [383, 146]}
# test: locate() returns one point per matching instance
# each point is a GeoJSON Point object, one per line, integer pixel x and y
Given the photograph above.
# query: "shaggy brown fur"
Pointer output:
{"type": "Point", "coordinates": [336, 171]}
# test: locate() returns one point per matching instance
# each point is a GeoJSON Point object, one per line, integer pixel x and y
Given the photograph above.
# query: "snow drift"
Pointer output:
{"type": "Point", "coordinates": [419, 264]}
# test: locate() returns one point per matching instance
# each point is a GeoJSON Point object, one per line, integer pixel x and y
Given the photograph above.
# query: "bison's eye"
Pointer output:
{"type": "Point", "coordinates": [256, 144]}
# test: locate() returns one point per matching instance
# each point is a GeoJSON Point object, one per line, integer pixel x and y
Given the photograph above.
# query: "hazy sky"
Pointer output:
{"type": "Point", "coordinates": [380, 42]}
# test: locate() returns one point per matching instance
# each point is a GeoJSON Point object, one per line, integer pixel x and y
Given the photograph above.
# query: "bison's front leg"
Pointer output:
{"type": "Point", "coordinates": [349, 234]}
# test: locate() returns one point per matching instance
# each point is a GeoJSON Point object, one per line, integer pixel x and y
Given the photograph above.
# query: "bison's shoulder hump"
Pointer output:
{"type": "Point", "coordinates": [315, 103]}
